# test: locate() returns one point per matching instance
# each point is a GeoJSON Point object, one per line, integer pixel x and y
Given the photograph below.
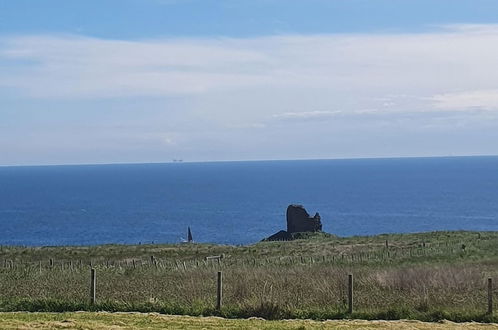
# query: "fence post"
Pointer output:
{"type": "Point", "coordinates": [219, 292]}
{"type": "Point", "coordinates": [490, 296]}
{"type": "Point", "coordinates": [93, 282]}
{"type": "Point", "coordinates": [350, 293]}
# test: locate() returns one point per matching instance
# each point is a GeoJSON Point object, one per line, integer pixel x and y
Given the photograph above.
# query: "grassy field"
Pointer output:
{"type": "Point", "coordinates": [88, 320]}
{"type": "Point", "coordinates": [427, 276]}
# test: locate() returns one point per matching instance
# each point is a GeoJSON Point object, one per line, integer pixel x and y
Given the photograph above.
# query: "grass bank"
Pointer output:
{"type": "Point", "coordinates": [426, 276]}
{"type": "Point", "coordinates": [156, 321]}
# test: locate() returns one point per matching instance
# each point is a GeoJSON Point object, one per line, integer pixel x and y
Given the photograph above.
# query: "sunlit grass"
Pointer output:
{"type": "Point", "coordinates": [428, 276]}
{"type": "Point", "coordinates": [157, 321]}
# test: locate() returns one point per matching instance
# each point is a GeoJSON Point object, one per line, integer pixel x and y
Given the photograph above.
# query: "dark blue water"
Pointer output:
{"type": "Point", "coordinates": [242, 202]}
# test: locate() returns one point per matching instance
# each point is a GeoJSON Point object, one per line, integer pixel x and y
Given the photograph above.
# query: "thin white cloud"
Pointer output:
{"type": "Point", "coordinates": [475, 99]}
{"type": "Point", "coordinates": [431, 117]}
{"type": "Point", "coordinates": [348, 71]}
{"type": "Point", "coordinates": [472, 28]}
{"type": "Point", "coordinates": [306, 115]}
{"type": "Point", "coordinates": [77, 67]}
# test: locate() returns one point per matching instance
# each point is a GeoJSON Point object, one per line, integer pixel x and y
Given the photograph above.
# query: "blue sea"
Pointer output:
{"type": "Point", "coordinates": [243, 202]}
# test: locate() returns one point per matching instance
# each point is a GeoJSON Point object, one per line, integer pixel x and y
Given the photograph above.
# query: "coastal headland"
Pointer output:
{"type": "Point", "coordinates": [424, 276]}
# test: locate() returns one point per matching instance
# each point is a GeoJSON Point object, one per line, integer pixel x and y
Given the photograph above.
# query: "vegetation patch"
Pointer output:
{"type": "Point", "coordinates": [86, 320]}
{"type": "Point", "coordinates": [427, 276]}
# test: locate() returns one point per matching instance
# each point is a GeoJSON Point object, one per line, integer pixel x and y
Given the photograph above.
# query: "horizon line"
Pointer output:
{"type": "Point", "coordinates": [249, 160]}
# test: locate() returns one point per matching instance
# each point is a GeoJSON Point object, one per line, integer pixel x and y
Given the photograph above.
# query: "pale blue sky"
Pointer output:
{"type": "Point", "coordinates": [154, 80]}
{"type": "Point", "coordinates": [125, 19]}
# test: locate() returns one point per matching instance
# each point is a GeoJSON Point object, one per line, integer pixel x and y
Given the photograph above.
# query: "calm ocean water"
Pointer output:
{"type": "Point", "coordinates": [243, 202]}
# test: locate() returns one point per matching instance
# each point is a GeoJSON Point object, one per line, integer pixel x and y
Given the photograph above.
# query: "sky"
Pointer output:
{"type": "Point", "coordinates": [137, 81]}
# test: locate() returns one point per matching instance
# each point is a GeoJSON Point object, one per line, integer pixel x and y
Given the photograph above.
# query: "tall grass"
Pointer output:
{"type": "Point", "coordinates": [417, 276]}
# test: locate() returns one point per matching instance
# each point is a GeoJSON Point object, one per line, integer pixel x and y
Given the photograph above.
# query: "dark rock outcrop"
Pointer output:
{"type": "Point", "coordinates": [298, 221]}
{"type": "Point", "coordinates": [280, 236]}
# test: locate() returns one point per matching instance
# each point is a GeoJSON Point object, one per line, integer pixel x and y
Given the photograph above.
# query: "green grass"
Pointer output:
{"type": "Point", "coordinates": [432, 246]}
{"type": "Point", "coordinates": [425, 276]}
{"type": "Point", "coordinates": [157, 321]}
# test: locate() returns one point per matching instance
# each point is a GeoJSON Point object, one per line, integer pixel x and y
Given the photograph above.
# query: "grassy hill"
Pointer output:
{"type": "Point", "coordinates": [425, 276]}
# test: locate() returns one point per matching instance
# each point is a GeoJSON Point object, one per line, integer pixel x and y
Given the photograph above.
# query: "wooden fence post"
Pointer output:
{"type": "Point", "coordinates": [490, 296]}
{"type": "Point", "coordinates": [93, 282]}
{"type": "Point", "coordinates": [350, 293]}
{"type": "Point", "coordinates": [219, 292]}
